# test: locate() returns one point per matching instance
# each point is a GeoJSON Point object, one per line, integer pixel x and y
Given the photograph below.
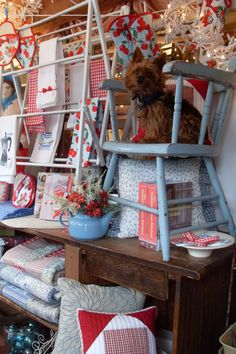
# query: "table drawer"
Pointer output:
{"type": "Point", "coordinates": [126, 272]}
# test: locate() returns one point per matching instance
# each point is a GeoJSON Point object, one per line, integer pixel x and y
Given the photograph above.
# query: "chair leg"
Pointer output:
{"type": "Point", "coordinates": [218, 189]}
{"type": "Point", "coordinates": [110, 172]}
{"type": "Point", "coordinates": [163, 209]}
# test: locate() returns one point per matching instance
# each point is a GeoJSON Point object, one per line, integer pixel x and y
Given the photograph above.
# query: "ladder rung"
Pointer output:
{"type": "Point", "coordinates": [199, 227]}
{"type": "Point", "coordinates": [192, 199]}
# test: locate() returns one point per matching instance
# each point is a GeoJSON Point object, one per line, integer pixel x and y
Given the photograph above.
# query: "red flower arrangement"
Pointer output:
{"type": "Point", "coordinates": [88, 198]}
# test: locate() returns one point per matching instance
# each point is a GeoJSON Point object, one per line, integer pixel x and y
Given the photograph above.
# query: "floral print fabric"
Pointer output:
{"type": "Point", "coordinates": [9, 42]}
{"type": "Point", "coordinates": [92, 104]}
{"type": "Point", "coordinates": [132, 31]}
{"type": "Point", "coordinates": [26, 51]}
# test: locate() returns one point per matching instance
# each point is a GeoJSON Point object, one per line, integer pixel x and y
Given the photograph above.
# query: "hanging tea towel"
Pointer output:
{"type": "Point", "coordinates": [51, 90]}
{"type": "Point", "coordinates": [8, 140]}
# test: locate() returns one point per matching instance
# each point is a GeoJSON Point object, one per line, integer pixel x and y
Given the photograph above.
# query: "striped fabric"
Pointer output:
{"type": "Point", "coordinates": [35, 123]}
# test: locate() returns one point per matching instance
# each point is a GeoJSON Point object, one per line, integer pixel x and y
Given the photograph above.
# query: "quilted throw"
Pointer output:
{"type": "Point", "coordinates": [36, 287]}
{"type": "Point", "coordinates": [49, 312]}
{"type": "Point", "coordinates": [38, 258]}
{"type": "Point", "coordinates": [35, 123]}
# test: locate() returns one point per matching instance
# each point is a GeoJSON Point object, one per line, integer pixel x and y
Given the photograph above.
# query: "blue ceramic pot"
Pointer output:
{"type": "Point", "coordinates": [84, 227]}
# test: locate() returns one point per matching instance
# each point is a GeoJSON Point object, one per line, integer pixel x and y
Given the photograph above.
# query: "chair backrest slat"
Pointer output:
{"type": "Point", "coordinates": [225, 107]}
{"type": "Point", "coordinates": [216, 118]}
{"type": "Point", "coordinates": [206, 112]}
{"type": "Point", "coordinates": [177, 109]}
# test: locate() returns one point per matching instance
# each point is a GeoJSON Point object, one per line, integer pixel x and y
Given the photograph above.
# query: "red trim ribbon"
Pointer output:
{"type": "Point", "coordinates": [44, 90]}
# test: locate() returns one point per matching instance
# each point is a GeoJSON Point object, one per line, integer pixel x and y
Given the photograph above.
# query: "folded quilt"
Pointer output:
{"type": "Point", "coordinates": [38, 258]}
{"type": "Point", "coordinates": [8, 211]}
{"type": "Point", "coordinates": [36, 287]}
{"type": "Point", "coordinates": [49, 312]}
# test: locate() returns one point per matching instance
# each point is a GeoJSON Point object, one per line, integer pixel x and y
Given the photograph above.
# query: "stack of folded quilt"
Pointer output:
{"type": "Point", "coordinates": [29, 274]}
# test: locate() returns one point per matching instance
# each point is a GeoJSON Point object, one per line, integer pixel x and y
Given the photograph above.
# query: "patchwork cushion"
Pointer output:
{"type": "Point", "coordinates": [75, 295]}
{"type": "Point", "coordinates": [112, 333]}
{"type": "Point", "coordinates": [131, 172]}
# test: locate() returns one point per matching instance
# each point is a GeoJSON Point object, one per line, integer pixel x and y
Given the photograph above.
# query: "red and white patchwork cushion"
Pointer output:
{"type": "Point", "coordinates": [112, 333]}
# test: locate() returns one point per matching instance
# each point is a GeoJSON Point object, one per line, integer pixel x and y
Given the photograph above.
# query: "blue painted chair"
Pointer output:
{"type": "Point", "coordinates": [217, 102]}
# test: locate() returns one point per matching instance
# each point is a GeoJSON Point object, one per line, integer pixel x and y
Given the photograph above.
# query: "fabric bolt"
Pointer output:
{"type": "Point", "coordinates": [36, 287]}
{"type": "Point", "coordinates": [51, 80]}
{"type": "Point", "coordinates": [49, 312]}
{"type": "Point", "coordinates": [118, 333]}
{"type": "Point", "coordinates": [97, 74]}
{"type": "Point", "coordinates": [35, 123]}
{"type": "Point", "coordinates": [9, 211]}
{"type": "Point", "coordinates": [38, 258]}
{"type": "Point", "coordinates": [91, 297]}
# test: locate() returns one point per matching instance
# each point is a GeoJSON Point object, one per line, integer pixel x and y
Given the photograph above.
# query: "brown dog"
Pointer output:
{"type": "Point", "coordinates": [145, 82]}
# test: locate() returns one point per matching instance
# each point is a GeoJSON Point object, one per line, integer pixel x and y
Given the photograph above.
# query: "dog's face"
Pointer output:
{"type": "Point", "coordinates": [144, 77]}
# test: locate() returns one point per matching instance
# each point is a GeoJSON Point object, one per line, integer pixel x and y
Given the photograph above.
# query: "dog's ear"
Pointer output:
{"type": "Point", "coordinates": [137, 56]}
{"type": "Point", "coordinates": [160, 61]}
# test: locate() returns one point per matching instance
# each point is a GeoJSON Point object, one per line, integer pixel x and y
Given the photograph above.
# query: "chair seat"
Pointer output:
{"type": "Point", "coordinates": [161, 149]}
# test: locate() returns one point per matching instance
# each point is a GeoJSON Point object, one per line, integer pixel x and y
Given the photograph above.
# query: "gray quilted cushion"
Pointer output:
{"type": "Point", "coordinates": [90, 297]}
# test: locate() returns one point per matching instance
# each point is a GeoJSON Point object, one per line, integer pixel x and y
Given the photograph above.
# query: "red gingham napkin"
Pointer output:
{"type": "Point", "coordinates": [35, 123]}
{"type": "Point", "coordinates": [97, 74]}
{"type": "Point", "coordinates": [193, 239]}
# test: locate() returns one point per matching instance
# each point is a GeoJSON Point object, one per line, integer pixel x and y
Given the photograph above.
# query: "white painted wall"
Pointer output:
{"type": "Point", "coordinates": [226, 162]}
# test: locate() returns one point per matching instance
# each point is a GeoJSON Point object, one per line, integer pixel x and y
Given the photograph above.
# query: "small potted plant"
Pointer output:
{"type": "Point", "coordinates": [89, 208]}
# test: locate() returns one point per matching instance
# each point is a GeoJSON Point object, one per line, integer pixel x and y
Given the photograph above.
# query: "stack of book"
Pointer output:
{"type": "Point", "coordinates": [179, 215]}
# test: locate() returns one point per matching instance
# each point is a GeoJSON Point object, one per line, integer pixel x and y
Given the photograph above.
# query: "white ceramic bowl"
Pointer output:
{"type": "Point", "coordinates": [201, 252]}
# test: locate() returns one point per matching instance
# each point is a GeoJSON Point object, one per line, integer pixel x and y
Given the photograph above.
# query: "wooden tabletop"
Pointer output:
{"type": "Point", "coordinates": [181, 263]}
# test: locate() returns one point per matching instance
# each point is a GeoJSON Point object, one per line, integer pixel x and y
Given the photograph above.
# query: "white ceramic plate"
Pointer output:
{"type": "Point", "coordinates": [198, 251]}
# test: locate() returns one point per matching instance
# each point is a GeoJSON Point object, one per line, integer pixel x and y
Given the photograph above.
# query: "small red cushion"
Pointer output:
{"type": "Point", "coordinates": [112, 333]}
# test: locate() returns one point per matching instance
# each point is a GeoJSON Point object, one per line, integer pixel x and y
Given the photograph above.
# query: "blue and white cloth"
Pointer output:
{"type": "Point", "coordinates": [8, 211]}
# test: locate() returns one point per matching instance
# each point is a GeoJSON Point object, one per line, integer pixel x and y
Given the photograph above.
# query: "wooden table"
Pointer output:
{"type": "Point", "coordinates": [191, 293]}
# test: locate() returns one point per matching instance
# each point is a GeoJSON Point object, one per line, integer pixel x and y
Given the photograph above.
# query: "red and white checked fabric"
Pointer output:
{"type": "Point", "coordinates": [35, 123]}
{"type": "Point", "coordinates": [128, 340]}
{"type": "Point", "coordinates": [193, 239]}
{"type": "Point", "coordinates": [96, 75]}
